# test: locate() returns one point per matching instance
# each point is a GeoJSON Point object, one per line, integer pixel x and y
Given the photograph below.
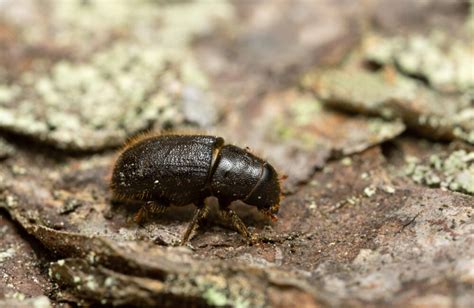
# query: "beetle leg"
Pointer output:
{"type": "Point", "coordinates": [141, 215]}
{"type": "Point", "coordinates": [238, 224]}
{"type": "Point", "coordinates": [155, 207]}
{"type": "Point", "coordinates": [150, 207]}
{"type": "Point", "coordinates": [200, 213]}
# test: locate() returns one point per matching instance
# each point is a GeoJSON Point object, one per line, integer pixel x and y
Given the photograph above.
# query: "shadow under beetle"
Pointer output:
{"type": "Point", "coordinates": [183, 169]}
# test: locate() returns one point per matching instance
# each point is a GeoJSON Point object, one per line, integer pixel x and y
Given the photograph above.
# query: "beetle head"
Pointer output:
{"type": "Point", "coordinates": [266, 193]}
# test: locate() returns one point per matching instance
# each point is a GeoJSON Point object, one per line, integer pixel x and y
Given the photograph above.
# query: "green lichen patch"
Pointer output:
{"type": "Point", "coordinates": [307, 122]}
{"type": "Point", "coordinates": [7, 254]}
{"type": "Point", "coordinates": [213, 283]}
{"type": "Point", "coordinates": [89, 105]}
{"type": "Point", "coordinates": [18, 299]}
{"type": "Point", "coordinates": [177, 279]}
{"type": "Point", "coordinates": [136, 71]}
{"type": "Point", "coordinates": [454, 171]}
{"type": "Point", "coordinates": [445, 63]}
{"type": "Point", "coordinates": [390, 95]}
{"type": "Point", "coordinates": [97, 104]}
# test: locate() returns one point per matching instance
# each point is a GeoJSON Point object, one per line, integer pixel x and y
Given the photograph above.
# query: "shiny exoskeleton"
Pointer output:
{"type": "Point", "coordinates": [184, 169]}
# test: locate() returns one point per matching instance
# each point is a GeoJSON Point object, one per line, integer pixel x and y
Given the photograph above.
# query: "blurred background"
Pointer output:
{"type": "Point", "coordinates": [365, 105]}
{"type": "Point", "coordinates": [86, 75]}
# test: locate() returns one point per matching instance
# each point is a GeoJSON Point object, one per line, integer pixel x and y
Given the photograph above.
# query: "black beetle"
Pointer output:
{"type": "Point", "coordinates": [184, 169]}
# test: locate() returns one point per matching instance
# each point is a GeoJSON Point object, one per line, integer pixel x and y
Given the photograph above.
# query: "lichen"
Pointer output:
{"type": "Point", "coordinates": [384, 129]}
{"type": "Point", "coordinates": [91, 283]}
{"type": "Point", "coordinates": [119, 85]}
{"type": "Point", "coordinates": [109, 282]}
{"type": "Point", "coordinates": [41, 302]}
{"type": "Point", "coordinates": [11, 201]}
{"type": "Point", "coordinates": [215, 297]}
{"type": "Point", "coordinates": [470, 19]}
{"type": "Point", "coordinates": [98, 104]}
{"type": "Point", "coordinates": [19, 296]}
{"type": "Point", "coordinates": [304, 109]}
{"type": "Point", "coordinates": [454, 171]}
{"type": "Point", "coordinates": [7, 254]}
{"type": "Point", "coordinates": [70, 205]}
{"type": "Point", "coordinates": [370, 191]}
{"type": "Point", "coordinates": [8, 93]}
{"type": "Point", "coordinates": [306, 124]}
{"type": "Point", "coordinates": [216, 289]}
{"type": "Point", "coordinates": [391, 95]}
{"type": "Point", "coordinates": [346, 161]}
{"type": "Point", "coordinates": [444, 62]}
{"type": "Point", "coordinates": [169, 24]}
{"type": "Point", "coordinates": [302, 112]}
{"type": "Point", "coordinates": [6, 150]}
{"type": "Point", "coordinates": [389, 189]}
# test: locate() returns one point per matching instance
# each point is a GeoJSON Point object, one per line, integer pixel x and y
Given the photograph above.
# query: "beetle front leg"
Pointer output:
{"type": "Point", "coordinates": [200, 213]}
{"type": "Point", "coordinates": [238, 224]}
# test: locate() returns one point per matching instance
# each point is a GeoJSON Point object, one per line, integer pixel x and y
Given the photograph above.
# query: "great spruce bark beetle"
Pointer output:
{"type": "Point", "coordinates": [184, 169]}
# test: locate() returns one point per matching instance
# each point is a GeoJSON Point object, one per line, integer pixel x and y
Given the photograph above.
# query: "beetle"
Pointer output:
{"type": "Point", "coordinates": [180, 169]}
